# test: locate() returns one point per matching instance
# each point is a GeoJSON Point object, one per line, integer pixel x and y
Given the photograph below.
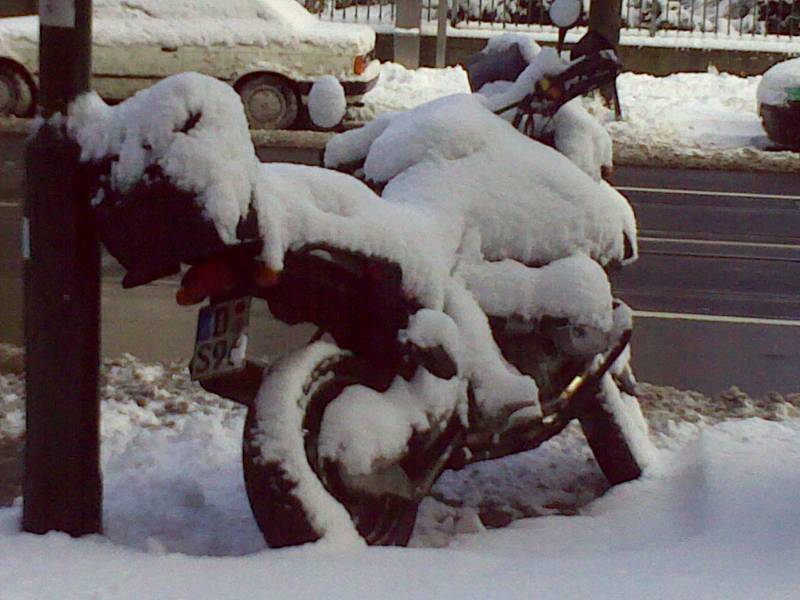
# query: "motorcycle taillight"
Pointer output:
{"type": "Point", "coordinates": [212, 277]}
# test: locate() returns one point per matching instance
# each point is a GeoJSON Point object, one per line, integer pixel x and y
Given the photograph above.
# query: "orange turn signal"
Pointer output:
{"type": "Point", "coordinates": [360, 65]}
{"type": "Point", "coordinates": [263, 276]}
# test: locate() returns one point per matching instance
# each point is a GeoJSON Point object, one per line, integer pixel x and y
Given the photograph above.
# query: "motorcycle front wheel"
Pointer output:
{"type": "Point", "coordinates": [616, 432]}
{"type": "Point", "coordinates": [295, 495]}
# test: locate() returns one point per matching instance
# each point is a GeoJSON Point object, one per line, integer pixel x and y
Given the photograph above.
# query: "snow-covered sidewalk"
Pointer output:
{"type": "Point", "coordinates": [687, 119]}
{"type": "Point", "coordinates": [715, 517]}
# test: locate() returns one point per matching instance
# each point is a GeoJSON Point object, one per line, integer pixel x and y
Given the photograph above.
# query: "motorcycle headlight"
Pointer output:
{"type": "Point", "coordinates": [580, 340]}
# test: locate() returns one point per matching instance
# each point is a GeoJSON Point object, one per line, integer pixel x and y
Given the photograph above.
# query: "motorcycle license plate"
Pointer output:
{"type": "Point", "coordinates": [221, 343]}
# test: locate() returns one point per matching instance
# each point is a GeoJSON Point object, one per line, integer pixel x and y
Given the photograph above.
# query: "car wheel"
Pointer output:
{"type": "Point", "coordinates": [16, 96]}
{"type": "Point", "coordinates": [270, 102]}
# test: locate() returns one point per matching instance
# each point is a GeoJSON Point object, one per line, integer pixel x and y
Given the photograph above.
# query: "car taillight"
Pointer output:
{"type": "Point", "coordinates": [360, 64]}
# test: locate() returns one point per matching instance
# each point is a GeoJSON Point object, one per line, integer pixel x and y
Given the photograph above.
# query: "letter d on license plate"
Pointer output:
{"type": "Point", "coordinates": [221, 343]}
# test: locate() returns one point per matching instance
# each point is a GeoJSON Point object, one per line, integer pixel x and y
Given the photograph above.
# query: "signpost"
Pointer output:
{"type": "Point", "coordinates": [441, 34]}
{"type": "Point", "coordinates": [62, 488]}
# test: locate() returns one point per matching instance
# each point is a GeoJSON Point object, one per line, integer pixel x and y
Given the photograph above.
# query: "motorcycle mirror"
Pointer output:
{"type": "Point", "coordinates": [565, 13]}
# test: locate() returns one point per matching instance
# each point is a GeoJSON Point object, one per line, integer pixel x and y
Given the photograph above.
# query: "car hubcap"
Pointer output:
{"type": "Point", "coordinates": [267, 105]}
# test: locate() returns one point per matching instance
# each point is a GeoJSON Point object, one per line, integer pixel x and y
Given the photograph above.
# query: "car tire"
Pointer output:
{"type": "Point", "coordinates": [16, 95]}
{"type": "Point", "coordinates": [270, 102]}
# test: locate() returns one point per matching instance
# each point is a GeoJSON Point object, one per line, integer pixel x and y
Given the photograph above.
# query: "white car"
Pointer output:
{"type": "Point", "coordinates": [271, 51]}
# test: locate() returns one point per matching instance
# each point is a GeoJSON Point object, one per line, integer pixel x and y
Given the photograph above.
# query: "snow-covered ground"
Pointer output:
{"type": "Point", "coordinates": [683, 117]}
{"type": "Point", "coordinates": [715, 516]}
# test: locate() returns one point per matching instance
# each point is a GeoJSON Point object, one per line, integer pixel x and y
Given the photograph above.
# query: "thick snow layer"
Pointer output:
{"type": "Point", "coordinates": [578, 135]}
{"type": "Point", "coordinates": [281, 410]}
{"type": "Point", "coordinates": [363, 429]}
{"type": "Point", "coordinates": [582, 139]}
{"type": "Point", "coordinates": [499, 388]}
{"type": "Point", "coordinates": [527, 201]}
{"type": "Point", "coordinates": [429, 329]}
{"type": "Point", "coordinates": [776, 81]}
{"type": "Point", "coordinates": [715, 124]}
{"type": "Point", "coordinates": [716, 492]}
{"type": "Point", "coordinates": [298, 205]}
{"type": "Point", "coordinates": [326, 102]}
{"type": "Point", "coordinates": [525, 42]}
{"type": "Point", "coordinates": [716, 110]}
{"type": "Point", "coordinates": [214, 158]}
{"type": "Point", "coordinates": [399, 89]}
{"type": "Point", "coordinates": [575, 288]}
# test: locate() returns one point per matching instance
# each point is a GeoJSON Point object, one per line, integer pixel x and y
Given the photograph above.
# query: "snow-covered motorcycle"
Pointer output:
{"type": "Point", "coordinates": [414, 292]}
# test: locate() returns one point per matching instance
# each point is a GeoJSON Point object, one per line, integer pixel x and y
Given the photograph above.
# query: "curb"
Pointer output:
{"type": "Point", "coordinates": [309, 144]}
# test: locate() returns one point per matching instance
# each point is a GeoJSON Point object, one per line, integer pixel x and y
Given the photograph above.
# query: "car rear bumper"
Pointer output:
{"type": "Point", "coordinates": [353, 90]}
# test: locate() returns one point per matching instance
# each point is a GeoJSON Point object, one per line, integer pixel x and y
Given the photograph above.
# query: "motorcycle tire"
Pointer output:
{"type": "Point", "coordinates": [613, 449]}
{"type": "Point", "coordinates": [285, 511]}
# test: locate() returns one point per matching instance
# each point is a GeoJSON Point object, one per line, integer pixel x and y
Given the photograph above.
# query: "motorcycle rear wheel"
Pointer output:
{"type": "Point", "coordinates": [282, 509]}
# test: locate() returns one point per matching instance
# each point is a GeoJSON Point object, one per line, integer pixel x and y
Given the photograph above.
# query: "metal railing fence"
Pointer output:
{"type": "Point", "coordinates": [738, 19]}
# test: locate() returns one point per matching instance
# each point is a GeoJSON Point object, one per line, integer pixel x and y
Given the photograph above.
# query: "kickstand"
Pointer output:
{"type": "Point", "coordinates": [316, 337]}
{"type": "Point", "coordinates": [617, 105]}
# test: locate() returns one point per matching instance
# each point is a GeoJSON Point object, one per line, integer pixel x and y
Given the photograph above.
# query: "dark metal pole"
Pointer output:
{"type": "Point", "coordinates": [605, 18]}
{"type": "Point", "coordinates": [63, 488]}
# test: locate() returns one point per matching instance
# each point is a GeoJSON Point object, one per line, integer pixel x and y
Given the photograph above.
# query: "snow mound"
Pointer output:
{"type": "Point", "coordinates": [399, 89]}
{"type": "Point", "coordinates": [776, 81]}
{"type": "Point", "coordinates": [326, 102]}
{"type": "Point", "coordinates": [192, 126]}
{"type": "Point", "coordinates": [575, 288]}
{"type": "Point", "coordinates": [565, 13]}
{"type": "Point", "coordinates": [578, 135]}
{"type": "Point", "coordinates": [722, 486]}
{"type": "Point", "coordinates": [363, 429]}
{"type": "Point", "coordinates": [526, 43]}
{"type": "Point", "coordinates": [679, 532]}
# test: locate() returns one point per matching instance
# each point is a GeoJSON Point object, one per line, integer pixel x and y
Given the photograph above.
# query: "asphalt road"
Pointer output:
{"type": "Point", "coordinates": [717, 286]}
{"type": "Point", "coordinates": [716, 289]}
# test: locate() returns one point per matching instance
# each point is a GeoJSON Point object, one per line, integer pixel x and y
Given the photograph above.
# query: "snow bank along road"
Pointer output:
{"type": "Point", "coordinates": [713, 518]}
{"type": "Point", "coordinates": [717, 287]}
